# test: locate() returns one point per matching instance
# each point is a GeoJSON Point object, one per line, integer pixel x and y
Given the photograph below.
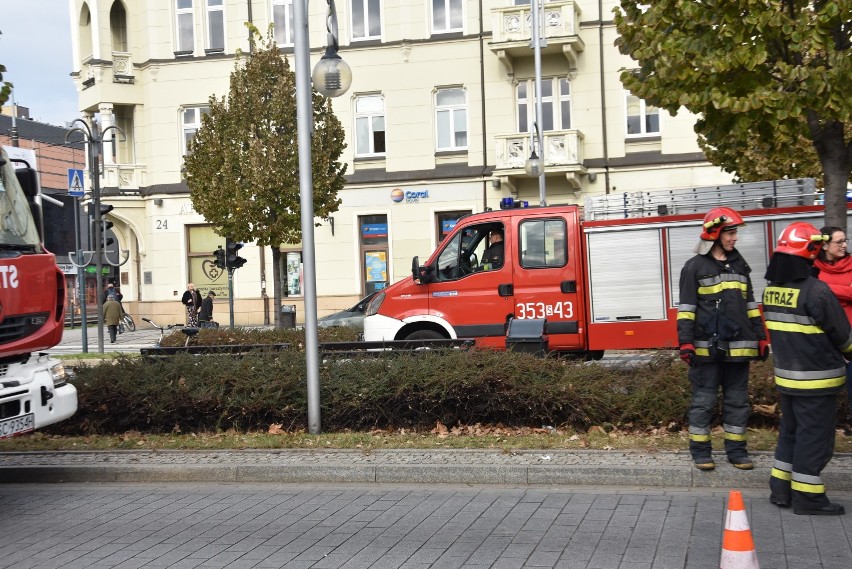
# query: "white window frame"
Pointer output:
{"type": "Point", "coordinates": [190, 127]}
{"type": "Point", "coordinates": [555, 99]}
{"type": "Point", "coordinates": [286, 27]}
{"type": "Point", "coordinates": [367, 117]}
{"type": "Point", "coordinates": [451, 112]}
{"type": "Point", "coordinates": [365, 4]}
{"type": "Point", "coordinates": [211, 9]}
{"type": "Point", "coordinates": [643, 118]}
{"type": "Point", "coordinates": [446, 26]}
{"type": "Point", "coordinates": [179, 12]}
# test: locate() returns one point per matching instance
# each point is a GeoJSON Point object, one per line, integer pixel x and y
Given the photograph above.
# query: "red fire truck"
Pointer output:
{"type": "Point", "coordinates": [34, 388]}
{"type": "Point", "coordinates": [604, 277]}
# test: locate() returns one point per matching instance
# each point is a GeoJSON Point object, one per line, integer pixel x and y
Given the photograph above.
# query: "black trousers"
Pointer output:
{"type": "Point", "coordinates": [113, 330]}
{"type": "Point", "coordinates": [805, 445]}
{"type": "Point", "coordinates": [706, 380]}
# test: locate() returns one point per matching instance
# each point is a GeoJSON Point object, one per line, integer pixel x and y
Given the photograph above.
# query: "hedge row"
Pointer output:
{"type": "Point", "coordinates": [411, 391]}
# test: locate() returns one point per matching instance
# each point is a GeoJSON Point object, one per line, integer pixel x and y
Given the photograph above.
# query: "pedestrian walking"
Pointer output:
{"type": "Point", "coordinates": [719, 331]}
{"type": "Point", "coordinates": [811, 338]}
{"type": "Point", "coordinates": [113, 313]}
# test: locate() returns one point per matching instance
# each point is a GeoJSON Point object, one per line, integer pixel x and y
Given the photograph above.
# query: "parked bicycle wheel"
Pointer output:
{"type": "Point", "coordinates": [129, 323]}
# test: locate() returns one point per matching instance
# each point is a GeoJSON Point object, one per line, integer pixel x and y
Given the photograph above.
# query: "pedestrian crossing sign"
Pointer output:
{"type": "Point", "coordinates": [75, 183]}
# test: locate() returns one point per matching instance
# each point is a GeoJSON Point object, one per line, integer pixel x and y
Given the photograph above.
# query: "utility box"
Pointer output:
{"type": "Point", "coordinates": [527, 335]}
{"type": "Point", "coordinates": [288, 315]}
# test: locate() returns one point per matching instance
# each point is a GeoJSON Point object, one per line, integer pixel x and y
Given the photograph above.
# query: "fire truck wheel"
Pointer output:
{"type": "Point", "coordinates": [425, 335]}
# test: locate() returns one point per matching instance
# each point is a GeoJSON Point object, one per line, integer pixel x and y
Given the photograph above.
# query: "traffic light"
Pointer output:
{"type": "Point", "coordinates": [232, 259]}
{"type": "Point", "coordinates": [105, 224]}
{"type": "Point", "coordinates": [220, 257]}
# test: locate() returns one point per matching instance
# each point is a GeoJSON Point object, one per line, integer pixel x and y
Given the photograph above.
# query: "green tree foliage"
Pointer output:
{"type": "Point", "coordinates": [242, 166]}
{"type": "Point", "coordinates": [769, 78]}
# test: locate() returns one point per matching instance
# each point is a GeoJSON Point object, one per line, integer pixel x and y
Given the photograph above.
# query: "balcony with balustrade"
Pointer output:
{"type": "Point", "coordinates": [512, 32]}
{"type": "Point", "coordinates": [563, 155]}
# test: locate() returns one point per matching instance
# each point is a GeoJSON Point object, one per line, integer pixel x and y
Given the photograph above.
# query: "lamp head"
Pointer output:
{"type": "Point", "coordinates": [332, 76]}
{"type": "Point", "coordinates": [533, 166]}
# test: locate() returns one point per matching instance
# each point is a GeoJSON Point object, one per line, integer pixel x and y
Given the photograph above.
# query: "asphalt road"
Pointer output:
{"type": "Point", "coordinates": [296, 526]}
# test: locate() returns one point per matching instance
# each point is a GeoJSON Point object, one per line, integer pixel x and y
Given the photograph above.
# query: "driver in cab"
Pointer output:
{"type": "Point", "coordinates": [492, 257]}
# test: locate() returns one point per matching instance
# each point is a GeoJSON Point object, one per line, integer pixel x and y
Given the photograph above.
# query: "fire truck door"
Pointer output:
{"type": "Point", "coordinates": [472, 291]}
{"type": "Point", "coordinates": [546, 279]}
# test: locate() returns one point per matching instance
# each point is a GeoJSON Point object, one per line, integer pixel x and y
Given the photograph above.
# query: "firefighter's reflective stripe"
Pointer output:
{"type": "Point", "coordinates": [699, 434]}
{"type": "Point", "coordinates": [753, 310]}
{"type": "Point", "coordinates": [686, 311]}
{"type": "Point", "coordinates": [724, 281]}
{"type": "Point", "coordinates": [739, 349]}
{"type": "Point", "coordinates": [734, 433]}
{"type": "Point", "coordinates": [807, 483]}
{"type": "Point", "coordinates": [818, 379]}
{"type": "Point", "coordinates": [786, 322]}
{"type": "Point", "coordinates": [782, 470]}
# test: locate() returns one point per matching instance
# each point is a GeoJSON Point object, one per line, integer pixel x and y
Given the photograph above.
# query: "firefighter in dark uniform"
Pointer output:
{"type": "Point", "coordinates": [810, 337]}
{"type": "Point", "coordinates": [719, 331]}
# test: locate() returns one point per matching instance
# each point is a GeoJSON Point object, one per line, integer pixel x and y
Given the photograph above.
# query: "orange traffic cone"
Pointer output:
{"type": "Point", "coordinates": [737, 544]}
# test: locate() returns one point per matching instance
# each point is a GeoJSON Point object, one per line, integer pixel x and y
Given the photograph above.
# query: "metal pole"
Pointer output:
{"type": "Point", "coordinates": [13, 132]}
{"type": "Point", "coordinates": [304, 127]}
{"type": "Point", "coordinates": [81, 277]}
{"type": "Point", "coordinates": [536, 41]}
{"type": "Point", "coordinates": [231, 294]}
{"type": "Point", "coordinates": [94, 151]}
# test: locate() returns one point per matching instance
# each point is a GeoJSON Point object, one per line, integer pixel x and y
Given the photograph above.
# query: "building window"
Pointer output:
{"type": "Point", "coordinates": [282, 19]}
{"type": "Point", "coordinates": [555, 104]}
{"type": "Point", "coordinates": [185, 25]}
{"type": "Point", "coordinates": [191, 123]}
{"type": "Point", "coordinates": [446, 222]}
{"type": "Point", "coordinates": [366, 19]}
{"type": "Point", "coordinates": [543, 243]}
{"type": "Point", "coordinates": [369, 125]}
{"type": "Point", "coordinates": [373, 230]}
{"type": "Point", "coordinates": [447, 16]}
{"type": "Point", "coordinates": [215, 25]}
{"type": "Point", "coordinates": [202, 240]}
{"type": "Point", "coordinates": [642, 119]}
{"type": "Point", "coordinates": [451, 119]}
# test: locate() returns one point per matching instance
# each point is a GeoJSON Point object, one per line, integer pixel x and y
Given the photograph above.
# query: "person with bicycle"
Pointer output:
{"type": "Point", "coordinates": [113, 313]}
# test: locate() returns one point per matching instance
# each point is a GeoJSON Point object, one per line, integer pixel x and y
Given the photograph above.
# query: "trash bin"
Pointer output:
{"type": "Point", "coordinates": [527, 335]}
{"type": "Point", "coordinates": [288, 315]}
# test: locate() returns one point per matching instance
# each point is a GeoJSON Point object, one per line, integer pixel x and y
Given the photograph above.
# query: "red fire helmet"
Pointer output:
{"type": "Point", "coordinates": [719, 219]}
{"type": "Point", "coordinates": [801, 239]}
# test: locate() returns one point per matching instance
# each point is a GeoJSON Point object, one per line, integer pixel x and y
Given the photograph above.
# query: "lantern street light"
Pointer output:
{"type": "Point", "coordinates": [534, 166]}
{"type": "Point", "coordinates": [537, 43]}
{"type": "Point", "coordinates": [94, 140]}
{"type": "Point", "coordinates": [332, 78]}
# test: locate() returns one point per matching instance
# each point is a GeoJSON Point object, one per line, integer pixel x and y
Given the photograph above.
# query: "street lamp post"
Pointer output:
{"type": "Point", "coordinates": [94, 145]}
{"type": "Point", "coordinates": [537, 45]}
{"type": "Point", "coordinates": [331, 78]}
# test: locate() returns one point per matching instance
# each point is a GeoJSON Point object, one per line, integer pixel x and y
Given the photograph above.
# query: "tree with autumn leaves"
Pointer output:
{"type": "Point", "coordinates": [771, 81]}
{"type": "Point", "coordinates": [242, 166]}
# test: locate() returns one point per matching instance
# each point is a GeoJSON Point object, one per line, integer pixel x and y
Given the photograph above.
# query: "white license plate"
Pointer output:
{"type": "Point", "coordinates": [22, 424]}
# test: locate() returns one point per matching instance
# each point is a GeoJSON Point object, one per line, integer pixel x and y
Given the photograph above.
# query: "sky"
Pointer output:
{"type": "Point", "coordinates": [35, 48]}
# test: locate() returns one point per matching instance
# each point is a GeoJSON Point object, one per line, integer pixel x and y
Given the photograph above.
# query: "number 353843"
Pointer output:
{"type": "Point", "coordinates": [543, 310]}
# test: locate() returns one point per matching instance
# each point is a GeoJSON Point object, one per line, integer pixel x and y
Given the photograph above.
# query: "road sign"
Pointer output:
{"type": "Point", "coordinates": [75, 183]}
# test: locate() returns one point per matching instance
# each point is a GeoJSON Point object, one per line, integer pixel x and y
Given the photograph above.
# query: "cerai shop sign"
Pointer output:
{"type": "Point", "coordinates": [409, 196]}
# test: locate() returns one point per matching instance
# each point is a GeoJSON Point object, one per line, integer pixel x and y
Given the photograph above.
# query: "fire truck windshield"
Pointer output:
{"type": "Point", "coordinates": [17, 228]}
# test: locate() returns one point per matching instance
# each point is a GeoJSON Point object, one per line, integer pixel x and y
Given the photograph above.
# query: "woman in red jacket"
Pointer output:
{"type": "Point", "coordinates": [835, 269]}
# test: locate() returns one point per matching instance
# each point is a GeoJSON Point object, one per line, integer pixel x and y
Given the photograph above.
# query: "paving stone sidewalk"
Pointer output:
{"type": "Point", "coordinates": [527, 467]}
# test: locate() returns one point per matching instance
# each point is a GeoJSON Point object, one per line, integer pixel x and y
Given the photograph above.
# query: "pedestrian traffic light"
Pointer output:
{"type": "Point", "coordinates": [220, 257]}
{"type": "Point", "coordinates": [232, 259]}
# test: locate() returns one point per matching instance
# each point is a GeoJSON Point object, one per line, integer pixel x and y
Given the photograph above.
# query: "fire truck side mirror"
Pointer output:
{"type": "Point", "coordinates": [27, 179]}
{"type": "Point", "coordinates": [421, 275]}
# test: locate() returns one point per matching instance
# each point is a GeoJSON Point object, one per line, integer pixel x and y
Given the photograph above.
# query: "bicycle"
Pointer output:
{"type": "Point", "coordinates": [188, 331]}
{"type": "Point", "coordinates": [160, 328]}
{"type": "Point", "coordinates": [126, 322]}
